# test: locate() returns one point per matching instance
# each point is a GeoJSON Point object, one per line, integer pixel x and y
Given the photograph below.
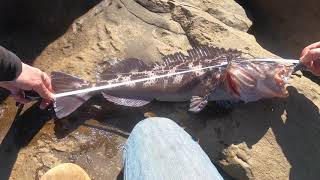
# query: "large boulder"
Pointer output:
{"type": "Point", "coordinates": [269, 139]}
{"type": "Point", "coordinates": [113, 29]}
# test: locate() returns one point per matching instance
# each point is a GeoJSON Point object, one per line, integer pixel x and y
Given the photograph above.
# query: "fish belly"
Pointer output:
{"type": "Point", "coordinates": [221, 94]}
{"type": "Point", "coordinates": [151, 94]}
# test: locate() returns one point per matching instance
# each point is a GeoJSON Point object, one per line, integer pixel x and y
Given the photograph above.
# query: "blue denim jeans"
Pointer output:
{"type": "Point", "coordinates": [158, 149]}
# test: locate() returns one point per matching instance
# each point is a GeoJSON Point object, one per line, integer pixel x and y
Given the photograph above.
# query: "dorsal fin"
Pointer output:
{"type": "Point", "coordinates": [202, 52]}
{"type": "Point", "coordinates": [206, 55]}
{"type": "Point", "coordinates": [109, 69]}
{"type": "Point", "coordinates": [63, 82]}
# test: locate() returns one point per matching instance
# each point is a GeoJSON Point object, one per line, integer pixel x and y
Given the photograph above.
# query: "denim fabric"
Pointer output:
{"type": "Point", "coordinates": [158, 149]}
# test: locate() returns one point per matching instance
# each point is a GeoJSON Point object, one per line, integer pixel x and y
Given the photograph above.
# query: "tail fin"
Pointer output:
{"type": "Point", "coordinates": [62, 82]}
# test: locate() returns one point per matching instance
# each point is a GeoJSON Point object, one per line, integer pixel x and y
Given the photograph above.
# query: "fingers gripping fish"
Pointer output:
{"type": "Point", "coordinates": [231, 78]}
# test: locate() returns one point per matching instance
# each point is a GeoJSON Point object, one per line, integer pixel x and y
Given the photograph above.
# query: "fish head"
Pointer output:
{"type": "Point", "coordinates": [254, 80]}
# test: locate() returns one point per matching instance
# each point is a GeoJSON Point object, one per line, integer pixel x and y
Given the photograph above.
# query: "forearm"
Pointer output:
{"type": "Point", "coordinates": [10, 65]}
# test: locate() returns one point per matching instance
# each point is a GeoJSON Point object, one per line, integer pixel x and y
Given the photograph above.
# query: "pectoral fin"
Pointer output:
{"type": "Point", "coordinates": [197, 103]}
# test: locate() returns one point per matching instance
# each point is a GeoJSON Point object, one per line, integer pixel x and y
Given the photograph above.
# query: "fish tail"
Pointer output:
{"type": "Point", "coordinates": [62, 82]}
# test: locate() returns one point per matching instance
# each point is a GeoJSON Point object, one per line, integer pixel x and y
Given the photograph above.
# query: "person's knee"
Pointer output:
{"type": "Point", "coordinates": [153, 127]}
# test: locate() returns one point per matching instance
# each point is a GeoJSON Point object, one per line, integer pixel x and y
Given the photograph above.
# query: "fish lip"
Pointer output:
{"type": "Point", "coordinates": [282, 75]}
{"type": "Point", "coordinates": [278, 77]}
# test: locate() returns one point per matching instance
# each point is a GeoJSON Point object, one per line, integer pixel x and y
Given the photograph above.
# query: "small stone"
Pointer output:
{"type": "Point", "coordinates": [284, 116]}
{"type": "Point", "coordinates": [149, 114]}
{"type": "Point", "coordinates": [65, 146]}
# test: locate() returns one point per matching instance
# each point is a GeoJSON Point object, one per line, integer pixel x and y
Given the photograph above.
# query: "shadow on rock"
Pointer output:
{"type": "Point", "coordinates": [21, 132]}
{"type": "Point", "coordinates": [27, 27]}
{"type": "Point", "coordinates": [312, 77]}
{"type": "Point", "coordinates": [104, 115]}
{"type": "Point", "coordinates": [119, 119]}
{"type": "Point", "coordinates": [298, 135]}
{"type": "Point", "coordinates": [284, 27]}
{"type": "Point", "coordinates": [294, 121]}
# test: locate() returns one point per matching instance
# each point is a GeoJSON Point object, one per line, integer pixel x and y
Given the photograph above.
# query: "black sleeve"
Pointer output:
{"type": "Point", "coordinates": [10, 65]}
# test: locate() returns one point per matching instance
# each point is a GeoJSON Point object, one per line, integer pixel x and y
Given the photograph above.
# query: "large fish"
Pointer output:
{"type": "Point", "coordinates": [234, 79]}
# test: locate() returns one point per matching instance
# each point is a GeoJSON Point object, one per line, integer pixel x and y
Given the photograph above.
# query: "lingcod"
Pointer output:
{"type": "Point", "coordinates": [235, 79]}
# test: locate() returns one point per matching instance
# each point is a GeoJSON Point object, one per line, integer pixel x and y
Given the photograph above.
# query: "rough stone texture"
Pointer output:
{"type": "Point", "coordinates": [227, 11]}
{"type": "Point", "coordinates": [269, 139]}
{"type": "Point", "coordinates": [157, 6]}
{"type": "Point", "coordinates": [236, 160]}
{"type": "Point", "coordinates": [204, 28]}
{"type": "Point", "coordinates": [285, 27]}
{"type": "Point", "coordinates": [114, 29]}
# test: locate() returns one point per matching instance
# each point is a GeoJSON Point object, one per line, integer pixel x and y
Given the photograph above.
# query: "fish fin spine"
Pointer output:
{"type": "Point", "coordinates": [198, 103]}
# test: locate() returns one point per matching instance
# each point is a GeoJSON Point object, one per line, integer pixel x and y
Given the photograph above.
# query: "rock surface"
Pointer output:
{"type": "Point", "coordinates": [269, 139]}
{"type": "Point", "coordinates": [285, 27]}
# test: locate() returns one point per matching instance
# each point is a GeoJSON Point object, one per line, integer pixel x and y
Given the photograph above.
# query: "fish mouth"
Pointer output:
{"type": "Point", "coordinates": [254, 81]}
{"type": "Point", "coordinates": [282, 75]}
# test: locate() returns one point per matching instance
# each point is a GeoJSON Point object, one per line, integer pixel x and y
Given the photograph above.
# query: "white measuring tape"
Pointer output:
{"type": "Point", "coordinates": [108, 86]}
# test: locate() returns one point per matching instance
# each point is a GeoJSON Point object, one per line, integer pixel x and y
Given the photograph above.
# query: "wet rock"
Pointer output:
{"type": "Point", "coordinates": [66, 146]}
{"type": "Point", "coordinates": [49, 160]}
{"type": "Point", "coordinates": [7, 114]}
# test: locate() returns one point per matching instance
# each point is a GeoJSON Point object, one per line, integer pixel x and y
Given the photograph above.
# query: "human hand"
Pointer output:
{"type": "Point", "coordinates": [30, 79]}
{"type": "Point", "coordinates": [310, 57]}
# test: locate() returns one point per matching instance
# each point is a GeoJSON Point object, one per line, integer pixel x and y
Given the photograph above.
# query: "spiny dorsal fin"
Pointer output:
{"type": "Point", "coordinates": [199, 54]}
{"type": "Point", "coordinates": [202, 52]}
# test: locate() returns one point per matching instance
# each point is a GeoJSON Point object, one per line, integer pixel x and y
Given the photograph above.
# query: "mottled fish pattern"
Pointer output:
{"type": "Point", "coordinates": [238, 80]}
{"type": "Point", "coordinates": [197, 83]}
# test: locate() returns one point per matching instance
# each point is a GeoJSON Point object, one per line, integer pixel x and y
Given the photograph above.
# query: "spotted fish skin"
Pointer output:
{"type": "Point", "coordinates": [234, 79]}
{"type": "Point", "coordinates": [175, 88]}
